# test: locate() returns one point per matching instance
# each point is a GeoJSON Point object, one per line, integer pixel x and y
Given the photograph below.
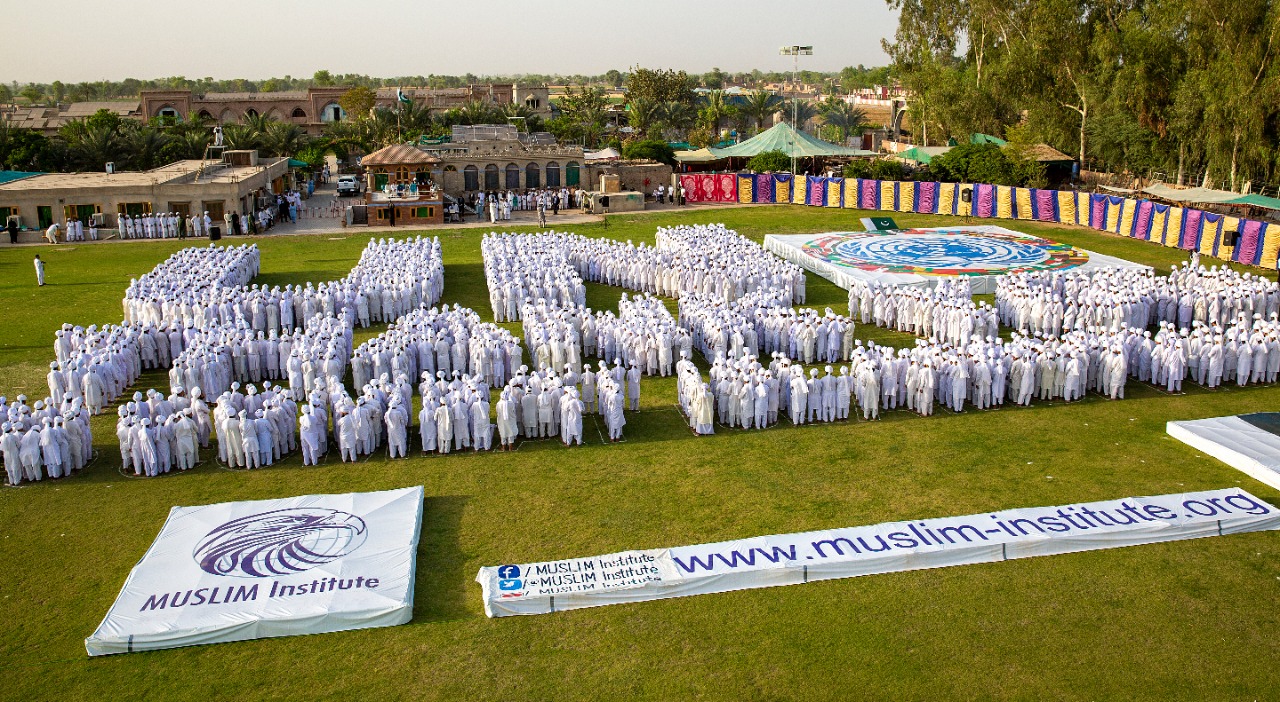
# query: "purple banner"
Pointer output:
{"type": "Point", "coordinates": [1190, 237]}
{"type": "Point", "coordinates": [927, 197]}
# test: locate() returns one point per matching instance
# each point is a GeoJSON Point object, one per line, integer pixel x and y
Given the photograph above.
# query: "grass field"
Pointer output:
{"type": "Point", "coordinates": [1184, 620]}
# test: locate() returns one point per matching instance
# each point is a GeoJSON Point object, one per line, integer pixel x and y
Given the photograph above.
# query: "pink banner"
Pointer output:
{"type": "Point", "coordinates": [726, 189]}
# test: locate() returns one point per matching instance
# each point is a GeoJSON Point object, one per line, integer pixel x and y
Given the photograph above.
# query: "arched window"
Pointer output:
{"type": "Point", "coordinates": [250, 112]}
{"type": "Point", "coordinates": [470, 178]}
{"type": "Point", "coordinates": [532, 103]}
{"type": "Point", "coordinates": [553, 175]}
{"type": "Point", "coordinates": [332, 112]}
{"type": "Point", "coordinates": [402, 174]}
{"type": "Point", "coordinates": [491, 177]}
{"type": "Point", "coordinates": [204, 114]}
{"type": "Point", "coordinates": [532, 176]}
{"type": "Point", "coordinates": [513, 177]}
{"type": "Point", "coordinates": [227, 117]}
{"type": "Point", "coordinates": [167, 111]}
{"type": "Point", "coordinates": [571, 173]}
{"type": "Point", "coordinates": [299, 113]}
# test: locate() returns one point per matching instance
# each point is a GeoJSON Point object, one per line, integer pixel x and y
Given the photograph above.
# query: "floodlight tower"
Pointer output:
{"type": "Point", "coordinates": [795, 52]}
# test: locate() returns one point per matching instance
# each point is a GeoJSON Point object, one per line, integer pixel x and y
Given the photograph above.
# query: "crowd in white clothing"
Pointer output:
{"type": "Point", "coordinates": [46, 439]}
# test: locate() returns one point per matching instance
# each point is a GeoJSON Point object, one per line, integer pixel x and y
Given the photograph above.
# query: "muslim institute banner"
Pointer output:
{"type": "Point", "coordinates": [792, 559]}
{"type": "Point", "coordinates": [248, 570]}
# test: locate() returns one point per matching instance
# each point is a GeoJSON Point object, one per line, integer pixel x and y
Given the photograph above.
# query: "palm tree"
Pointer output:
{"type": "Point", "coordinates": [642, 115]}
{"type": "Point", "coordinates": [95, 146]}
{"type": "Point", "coordinates": [676, 116]}
{"type": "Point", "coordinates": [844, 117]}
{"type": "Point", "coordinates": [800, 112]}
{"type": "Point", "coordinates": [476, 112]}
{"type": "Point", "coordinates": [761, 106]}
{"type": "Point", "coordinates": [239, 136]}
{"type": "Point", "coordinates": [283, 139]}
{"type": "Point", "coordinates": [257, 123]}
{"type": "Point", "coordinates": [146, 147]}
{"type": "Point", "coordinates": [716, 109]}
{"type": "Point", "coordinates": [189, 145]}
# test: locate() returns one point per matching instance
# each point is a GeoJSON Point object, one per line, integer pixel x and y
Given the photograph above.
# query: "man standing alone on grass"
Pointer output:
{"type": "Point", "coordinates": [39, 270]}
{"type": "Point", "coordinates": [12, 227]}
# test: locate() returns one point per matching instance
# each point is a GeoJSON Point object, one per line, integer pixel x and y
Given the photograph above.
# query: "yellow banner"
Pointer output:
{"type": "Point", "coordinates": [1066, 207]}
{"type": "Point", "coordinates": [907, 196]}
{"type": "Point", "coordinates": [1004, 202]}
{"type": "Point", "coordinates": [946, 198]}
{"type": "Point", "coordinates": [1023, 197]}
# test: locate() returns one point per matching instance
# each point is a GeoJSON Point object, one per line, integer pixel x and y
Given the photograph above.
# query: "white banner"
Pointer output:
{"type": "Point", "coordinates": [251, 570]}
{"type": "Point", "coordinates": [636, 576]}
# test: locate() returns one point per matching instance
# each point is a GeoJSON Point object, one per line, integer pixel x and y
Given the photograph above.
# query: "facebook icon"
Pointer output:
{"type": "Point", "coordinates": [509, 571]}
{"type": "Point", "coordinates": [510, 584]}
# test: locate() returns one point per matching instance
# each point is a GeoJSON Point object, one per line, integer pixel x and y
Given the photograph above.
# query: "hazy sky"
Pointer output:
{"type": "Point", "coordinates": [255, 39]}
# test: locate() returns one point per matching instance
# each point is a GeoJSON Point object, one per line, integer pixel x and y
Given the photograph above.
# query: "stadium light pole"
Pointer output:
{"type": "Point", "coordinates": [795, 52]}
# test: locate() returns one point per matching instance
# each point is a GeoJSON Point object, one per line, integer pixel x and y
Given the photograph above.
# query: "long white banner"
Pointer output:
{"type": "Point", "coordinates": [249, 570]}
{"type": "Point", "coordinates": [636, 576]}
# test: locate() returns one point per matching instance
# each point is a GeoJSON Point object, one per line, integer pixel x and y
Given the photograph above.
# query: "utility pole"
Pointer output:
{"type": "Point", "coordinates": [795, 52]}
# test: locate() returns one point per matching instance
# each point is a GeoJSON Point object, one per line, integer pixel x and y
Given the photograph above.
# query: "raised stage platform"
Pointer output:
{"type": "Point", "coordinates": [919, 257]}
{"type": "Point", "coordinates": [1250, 443]}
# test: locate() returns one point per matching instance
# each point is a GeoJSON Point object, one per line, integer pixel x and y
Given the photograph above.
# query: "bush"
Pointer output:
{"type": "Point", "coordinates": [876, 169]}
{"type": "Point", "coordinates": [652, 149]}
{"type": "Point", "coordinates": [985, 163]}
{"type": "Point", "coordinates": [775, 161]}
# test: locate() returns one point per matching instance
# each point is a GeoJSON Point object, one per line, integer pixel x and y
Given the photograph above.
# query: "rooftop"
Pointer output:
{"type": "Point", "coordinates": [178, 171]}
{"type": "Point", "coordinates": [398, 154]}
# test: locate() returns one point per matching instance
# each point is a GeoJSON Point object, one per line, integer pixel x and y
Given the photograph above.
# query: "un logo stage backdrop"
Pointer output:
{"type": "Point", "coordinates": [248, 570]}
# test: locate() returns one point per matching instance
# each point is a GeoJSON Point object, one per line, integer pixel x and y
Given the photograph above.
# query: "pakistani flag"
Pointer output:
{"type": "Point", "coordinates": [402, 98]}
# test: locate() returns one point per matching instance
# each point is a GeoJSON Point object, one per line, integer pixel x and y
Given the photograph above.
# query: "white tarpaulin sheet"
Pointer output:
{"type": "Point", "coordinates": [251, 570]}
{"type": "Point", "coordinates": [1245, 442]}
{"type": "Point", "coordinates": [921, 257]}
{"type": "Point", "coordinates": [789, 559]}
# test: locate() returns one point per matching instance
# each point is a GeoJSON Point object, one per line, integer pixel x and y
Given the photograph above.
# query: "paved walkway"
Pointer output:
{"type": "Point", "coordinates": [325, 214]}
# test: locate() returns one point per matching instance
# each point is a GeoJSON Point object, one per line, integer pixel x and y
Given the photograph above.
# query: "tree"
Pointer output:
{"type": "Point", "coordinates": [32, 93]}
{"type": "Point", "coordinates": [585, 110]}
{"type": "Point", "coordinates": [357, 102]}
{"type": "Point", "coordinates": [676, 117]}
{"type": "Point", "coordinates": [715, 79]}
{"type": "Point", "coordinates": [282, 139]}
{"type": "Point", "coordinates": [775, 161]}
{"type": "Point", "coordinates": [761, 106]}
{"type": "Point", "coordinates": [876, 169]}
{"type": "Point", "coordinates": [57, 90]}
{"type": "Point", "coordinates": [322, 79]}
{"type": "Point", "coordinates": [652, 149]}
{"type": "Point", "coordinates": [985, 163]}
{"type": "Point", "coordinates": [716, 109]}
{"type": "Point", "coordinates": [660, 86]}
{"type": "Point", "coordinates": [144, 148]}
{"type": "Point", "coordinates": [613, 78]}
{"type": "Point", "coordinates": [641, 116]}
{"type": "Point", "coordinates": [844, 118]}
{"type": "Point", "coordinates": [800, 112]}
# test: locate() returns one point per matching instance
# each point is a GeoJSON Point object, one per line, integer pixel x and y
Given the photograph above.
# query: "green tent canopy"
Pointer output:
{"type": "Point", "coordinates": [783, 137]}
{"type": "Point", "coordinates": [295, 163]}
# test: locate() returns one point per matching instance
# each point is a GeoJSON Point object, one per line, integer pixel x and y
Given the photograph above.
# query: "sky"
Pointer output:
{"type": "Point", "coordinates": [253, 39]}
